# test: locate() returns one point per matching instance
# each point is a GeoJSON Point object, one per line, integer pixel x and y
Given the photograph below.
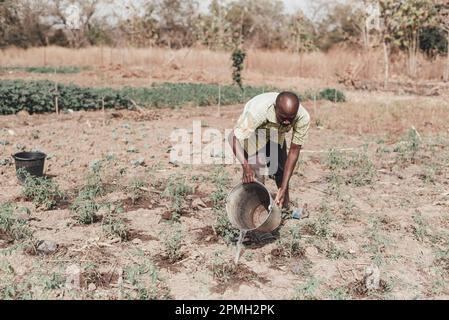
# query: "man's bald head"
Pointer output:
{"type": "Point", "coordinates": [287, 106]}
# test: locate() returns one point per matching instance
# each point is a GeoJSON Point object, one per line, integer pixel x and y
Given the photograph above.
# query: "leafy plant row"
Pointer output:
{"type": "Point", "coordinates": [46, 69]}
{"type": "Point", "coordinates": [40, 96]}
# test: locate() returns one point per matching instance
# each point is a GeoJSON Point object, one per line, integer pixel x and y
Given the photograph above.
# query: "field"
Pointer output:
{"type": "Point", "coordinates": [373, 175]}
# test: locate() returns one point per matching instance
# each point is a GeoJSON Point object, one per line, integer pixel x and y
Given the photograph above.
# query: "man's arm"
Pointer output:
{"type": "Point", "coordinates": [237, 149]}
{"type": "Point", "coordinates": [290, 165]}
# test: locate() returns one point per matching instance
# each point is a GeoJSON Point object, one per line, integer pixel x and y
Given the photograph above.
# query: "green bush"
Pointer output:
{"type": "Point", "coordinates": [332, 95]}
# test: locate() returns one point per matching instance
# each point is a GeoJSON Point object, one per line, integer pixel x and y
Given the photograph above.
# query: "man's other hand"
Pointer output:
{"type": "Point", "coordinates": [248, 174]}
{"type": "Point", "coordinates": [280, 198]}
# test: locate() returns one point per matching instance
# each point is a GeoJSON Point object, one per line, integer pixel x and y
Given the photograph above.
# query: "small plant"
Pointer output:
{"type": "Point", "coordinates": [43, 192]}
{"type": "Point", "coordinates": [95, 185]}
{"type": "Point", "coordinates": [347, 206]}
{"type": "Point", "coordinates": [55, 281]}
{"type": "Point", "coordinates": [16, 228]}
{"type": "Point", "coordinates": [336, 160]}
{"type": "Point", "coordinates": [223, 227]}
{"type": "Point", "coordinates": [289, 243]}
{"type": "Point", "coordinates": [365, 170]}
{"type": "Point", "coordinates": [376, 243]}
{"type": "Point", "coordinates": [307, 290]}
{"type": "Point", "coordinates": [429, 174]}
{"type": "Point", "coordinates": [173, 243]}
{"type": "Point", "coordinates": [145, 279]}
{"type": "Point", "coordinates": [136, 190]}
{"type": "Point", "coordinates": [222, 270]}
{"type": "Point", "coordinates": [176, 191]}
{"type": "Point", "coordinates": [334, 253]}
{"type": "Point", "coordinates": [113, 225]}
{"type": "Point", "coordinates": [321, 227]}
{"type": "Point", "coordinates": [409, 146]}
{"type": "Point", "coordinates": [420, 227]}
{"type": "Point", "coordinates": [339, 294]}
{"type": "Point", "coordinates": [85, 208]}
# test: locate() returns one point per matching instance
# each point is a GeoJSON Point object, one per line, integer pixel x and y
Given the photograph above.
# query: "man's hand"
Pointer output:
{"type": "Point", "coordinates": [248, 174]}
{"type": "Point", "coordinates": [281, 198]}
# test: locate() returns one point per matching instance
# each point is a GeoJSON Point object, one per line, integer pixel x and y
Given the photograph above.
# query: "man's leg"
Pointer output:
{"type": "Point", "coordinates": [279, 175]}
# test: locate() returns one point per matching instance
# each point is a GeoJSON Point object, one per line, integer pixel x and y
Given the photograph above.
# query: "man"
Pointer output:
{"type": "Point", "coordinates": [258, 139]}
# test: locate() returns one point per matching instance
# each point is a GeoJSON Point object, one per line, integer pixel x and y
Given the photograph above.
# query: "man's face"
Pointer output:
{"type": "Point", "coordinates": [283, 118]}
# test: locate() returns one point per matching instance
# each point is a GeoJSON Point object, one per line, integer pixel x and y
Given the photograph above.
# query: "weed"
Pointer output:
{"type": "Point", "coordinates": [176, 191]}
{"type": "Point", "coordinates": [339, 294]}
{"type": "Point", "coordinates": [289, 243]}
{"type": "Point", "coordinates": [336, 160]}
{"type": "Point", "coordinates": [173, 244]}
{"type": "Point", "coordinates": [136, 190]}
{"type": "Point", "coordinates": [16, 228]}
{"type": "Point", "coordinates": [347, 206]}
{"type": "Point", "coordinates": [55, 281]}
{"type": "Point", "coordinates": [113, 225]}
{"type": "Point", "coordinates": [376, 243]}
{"type": "Point", "coordinates": [85, 207]}
{"type": "Point", "coordinates": [407, 149]}
{"type": "Point", "coordinates": [321, 227]}
{"type": "Point", "coordinates": [222, 270]}
{"type": "Point", "coordinates": [429, 174]}
{"type": "Point", "coordinates": [442, 258]}
{"type": "Point", "coordinates": [43, 192]}
{"type": "Point", "coordinates": [307, 290]}
{"type": "Point", "coordinates": [365, 170]}
{"type": "Point", "coordinates": [335, 253]}
{"type": "Point", "coordinates": [95, 185]}
{"type": "Point", "coordinates": [16, 291]}
{"type": "Point", "coordinates": [420, 227]}
{"type": "Point", "coordinates": [139, 274]}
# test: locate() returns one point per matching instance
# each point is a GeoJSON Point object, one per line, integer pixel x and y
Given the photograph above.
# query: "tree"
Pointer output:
{"type": "Point", "coordinates": [140, 26]}
{"type": "Point", "coordinates": [257, 22]}
{"type": "Point", "coordinates": [20, 23]}
{"type": "Point", "coordinates": [442, 8]}
{"type": "Point", "coordinates": [76, 18]}
{"type": "Point", "coordinates": [176, 22]}
{"type": "Point", "coordinates": [432, 41]}
{"type": "Point", "coordinates": [301, 37]}
{"type": "Point", "coordinates": [402, 22]}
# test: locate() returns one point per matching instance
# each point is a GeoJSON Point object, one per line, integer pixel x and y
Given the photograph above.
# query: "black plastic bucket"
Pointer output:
{"type": "Point", "coordinates": [31, 162]}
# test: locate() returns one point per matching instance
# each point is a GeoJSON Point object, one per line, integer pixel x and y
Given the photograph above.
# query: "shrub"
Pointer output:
{"type": "Point", "coordinates": [42, 191]}
{"type": "Point", "coordinates": [332, 95]}
{"type": "Point", "coordinates": [16, 228]}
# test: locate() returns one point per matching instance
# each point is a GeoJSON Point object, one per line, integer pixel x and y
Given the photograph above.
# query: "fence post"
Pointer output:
{"type": "Point", "coordinates": [56, 98]}
{"type": "Point", "coordinates": [219, 100]}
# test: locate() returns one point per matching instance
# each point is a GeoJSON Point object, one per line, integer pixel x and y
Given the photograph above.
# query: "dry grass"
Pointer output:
{"type": "Point", "coordinates": [319, 65]}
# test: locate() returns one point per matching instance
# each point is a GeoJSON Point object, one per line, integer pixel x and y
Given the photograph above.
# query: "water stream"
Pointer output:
{"type": "Point", "coordinates": [239, 246]}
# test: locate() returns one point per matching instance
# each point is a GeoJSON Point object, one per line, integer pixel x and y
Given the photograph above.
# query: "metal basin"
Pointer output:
{"type": "Point", "coordinates": [251, 207]}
